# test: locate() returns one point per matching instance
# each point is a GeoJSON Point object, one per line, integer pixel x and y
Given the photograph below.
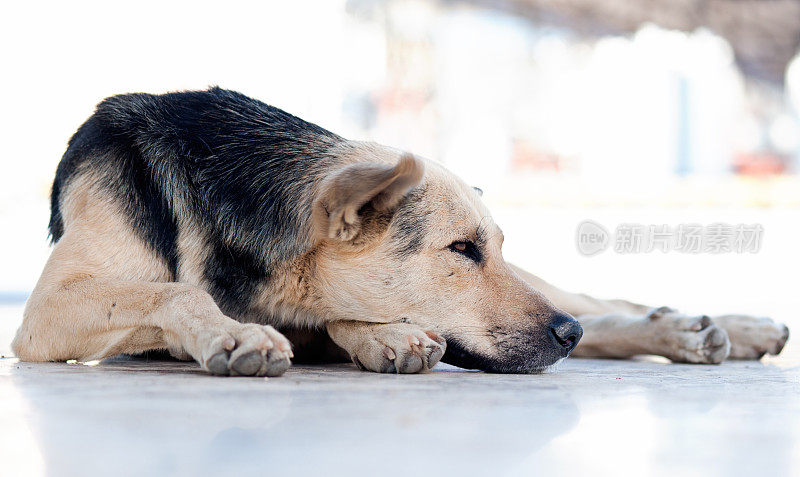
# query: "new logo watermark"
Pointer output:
{"type": "Point", "coordinates": [592, 238]}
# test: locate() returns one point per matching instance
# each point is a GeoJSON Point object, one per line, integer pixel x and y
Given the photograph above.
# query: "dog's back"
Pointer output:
{"type": "Point", "coordinates": [217, 161]}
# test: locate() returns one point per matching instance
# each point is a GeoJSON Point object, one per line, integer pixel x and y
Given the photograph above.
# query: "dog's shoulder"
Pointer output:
{"type": "Point", "coordinates": [236, 172]}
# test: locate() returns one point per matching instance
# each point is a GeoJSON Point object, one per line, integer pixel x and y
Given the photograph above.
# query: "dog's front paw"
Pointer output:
{"type": "Point", "coordinates": [752, 337]}
{"type": "Point", "coordinates": [688, 339]}
{"type": "Point", "coordinates": [398, 348]}
{"type": "Point", "coordinates": [245, 349]}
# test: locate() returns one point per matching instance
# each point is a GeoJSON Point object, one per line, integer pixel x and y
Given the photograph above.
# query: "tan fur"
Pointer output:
{"type": "Point", "coordinates": [344, 272]}
{"type": "Point", "coordinates": [193, 250]}
{"type": "Point", "coordinates": [104, 292]}
{"type": "Point", "coordinates": [392, 347]}
{"type": "Point", "coordinates": [622, 329]}
{"type": "Point", "coordinates": [753, 337]}
{"type": "Point", "coordinates": [446, 296]}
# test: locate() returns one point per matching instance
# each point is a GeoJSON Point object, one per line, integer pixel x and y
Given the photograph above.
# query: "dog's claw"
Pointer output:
{"type": "Point", "coordinates": [399, 348]}
{"type": "Point", "coordinates": [247, 350]}
{"type": "Point", "coordinates": [688, 339]}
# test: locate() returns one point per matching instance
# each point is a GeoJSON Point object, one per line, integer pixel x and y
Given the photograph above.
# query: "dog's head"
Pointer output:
{"type": "Point", "coordinates": [402, 242]}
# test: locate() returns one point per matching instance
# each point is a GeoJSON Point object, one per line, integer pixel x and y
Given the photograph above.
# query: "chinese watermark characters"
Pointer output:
{"type": "Point", "coordinates": [592, 238]}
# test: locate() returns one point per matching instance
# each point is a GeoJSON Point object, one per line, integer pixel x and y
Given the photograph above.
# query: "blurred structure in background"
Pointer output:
{"type": "Point", "coordinates": [581, 88]}
{"type": "Point", "coordinates": [655, 111]}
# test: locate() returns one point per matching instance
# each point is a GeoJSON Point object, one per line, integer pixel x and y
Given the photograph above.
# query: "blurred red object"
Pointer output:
{"type": "Point", "coordinates": [759, 164]}
{"type": "Point", "coordinates": [526, 157]}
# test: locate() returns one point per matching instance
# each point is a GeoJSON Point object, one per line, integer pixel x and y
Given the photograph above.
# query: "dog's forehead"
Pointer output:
{"type": "Point", "coordinates": [450, 197]}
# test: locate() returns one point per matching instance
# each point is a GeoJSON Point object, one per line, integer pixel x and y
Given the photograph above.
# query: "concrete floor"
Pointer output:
{"type": "Point", "coordinates": [588, 417]}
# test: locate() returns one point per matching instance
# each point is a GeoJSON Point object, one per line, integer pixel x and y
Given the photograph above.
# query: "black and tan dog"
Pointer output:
{"type": "Point", "coordinates": [204, 222]}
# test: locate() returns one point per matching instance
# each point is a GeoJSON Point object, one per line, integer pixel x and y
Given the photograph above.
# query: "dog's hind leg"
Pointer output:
{"type": "Point", "coordinates": [662, 332]}
{"type": "Point", "coordinates": [388, 347]}
{"type": "Point", "coordinates": [79, 311]}
{"type": "Point", "coordinates": [621, 329]}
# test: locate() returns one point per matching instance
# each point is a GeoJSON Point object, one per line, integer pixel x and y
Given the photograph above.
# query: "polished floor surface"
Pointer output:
{"type": "Point", "coordinates": [588, 417]}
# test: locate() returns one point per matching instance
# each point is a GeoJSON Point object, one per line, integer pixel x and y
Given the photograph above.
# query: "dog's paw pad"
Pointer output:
{"type": "Point", "coordinates": [435, 352]}
{"type": "Point", "coordinates": [276, 365]}
{"type": "Point", "coordinates": [424, 351]}
{"type": "Point", "coordinates": [218, 364]}
{"type": "Point", "coordinates": [247, 350]}
{"type": "Point", "coordinates": [690, 339]}
{"type": "Point", "coordinates": [248, 364]}
{"type": "Point", "coordinates": [716, 345]}
{"type": "Point", "coordinates": [411, 363]}
{"type": "Point", "coordinates": [399, 348]}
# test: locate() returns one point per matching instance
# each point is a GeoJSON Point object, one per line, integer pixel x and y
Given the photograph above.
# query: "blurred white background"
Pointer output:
{"type": "Point", "coordinates": [650, 125]}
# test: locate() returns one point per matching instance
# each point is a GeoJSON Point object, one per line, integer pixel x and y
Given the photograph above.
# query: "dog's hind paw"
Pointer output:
{"type": "Point", "coordinates": [398, 348]}
{"type": "Point", "coordinates": [688, 339]}
{"type": "Point", "coordinates": [245, 350]}
{"type": "Point", "coordinates": [752, 337]}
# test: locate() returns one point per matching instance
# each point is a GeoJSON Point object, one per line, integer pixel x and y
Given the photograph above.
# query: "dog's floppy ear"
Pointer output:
{"type": "Point", "coordinates": [342, 195]}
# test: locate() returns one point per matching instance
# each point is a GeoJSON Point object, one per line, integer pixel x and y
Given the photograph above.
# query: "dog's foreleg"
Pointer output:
{"type": "Point", "coordinates": [87, 318]}
{"type": "Point", "coordinates": [388, 347]}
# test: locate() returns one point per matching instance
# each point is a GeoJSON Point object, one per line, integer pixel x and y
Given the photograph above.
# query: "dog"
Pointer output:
{"type": "Point", "coordinates": [227, 231]}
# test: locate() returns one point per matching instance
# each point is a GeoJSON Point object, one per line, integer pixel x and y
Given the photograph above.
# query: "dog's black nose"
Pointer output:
{"type": "Point", "coordinates": [565, 331]}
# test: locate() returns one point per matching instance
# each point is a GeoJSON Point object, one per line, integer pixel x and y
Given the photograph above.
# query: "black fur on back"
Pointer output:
{"type": "Point", "coordinates": [238, 169]}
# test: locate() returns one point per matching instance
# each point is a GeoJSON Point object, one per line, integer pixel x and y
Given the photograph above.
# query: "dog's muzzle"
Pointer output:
{"type": "Point", "coordinates": [564, 332]}
{"type": "Point", "coordinates": [528, 351]}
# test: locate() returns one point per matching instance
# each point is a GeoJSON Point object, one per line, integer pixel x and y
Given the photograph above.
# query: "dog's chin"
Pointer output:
{"type": "Point", "coordinates": [459, 355]}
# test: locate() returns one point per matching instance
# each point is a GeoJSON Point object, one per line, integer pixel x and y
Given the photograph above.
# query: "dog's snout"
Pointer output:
{"type": "Point", "coordinates": [565, 331]}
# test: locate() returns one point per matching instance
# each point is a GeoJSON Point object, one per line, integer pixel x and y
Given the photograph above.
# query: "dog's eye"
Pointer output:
{"type": "Point", "coordinates": [467, 249]}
